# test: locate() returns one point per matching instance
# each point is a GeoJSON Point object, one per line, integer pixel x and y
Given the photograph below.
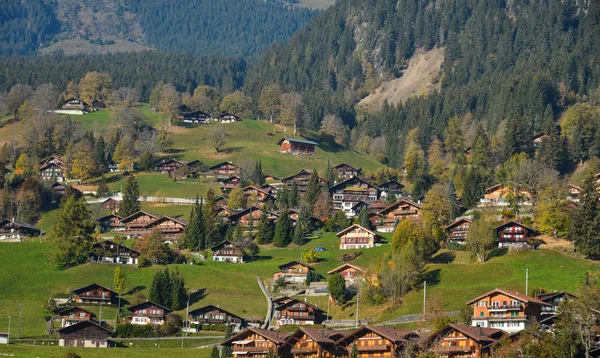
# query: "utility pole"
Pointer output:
{"type": "Point", "coordinates": [20, 313]}
{"type": "Point", "coordinates": [526, 282]}
{"type": "Point", "coordinates": [187, 313]}
{"type": "Point", "coordinates": [8, 338]}
{"type": "Point", "coordinates": [100, 314]}
{"type": "Point", "coordinates": [357, 300]}
{"type": "Point", "coordinates": [424, 298]}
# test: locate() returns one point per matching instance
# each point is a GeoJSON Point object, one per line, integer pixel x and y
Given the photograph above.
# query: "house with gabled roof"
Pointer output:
{"type": "Point", "coordinates": [507, 310]}
{"type": "Point", "coordinates": [110, 223]}
{"type": "Point", "coordinates": [170, 228]}
{"type": "Point", "coordinates": [73, 106]}
{"type": "Point", "coordinates": [497, 196]}
{"type": "Point", "coordinates": [457, 231]}
{"type": "Point", "coordinates": [352, 274]}
{"type": "Point", "coordinates": [357, 237]}
{"type": "Point", "coordinates": [87, 333]}
{"type": "Point", "coordinates": [574, 192]}
{"type": "Point", "coordinates": [224, 170]}
{"type": "Point", "coordinates": [292, 311]}
{"type": "Point", "coordinates": [226, 117]}
{"type": "Point", "coordinates": [391, 186]}
{"type": "Point", "coordinates": [195, 117]}
{"type": "Point", "coordinates": [297, 146]}
{"type": "Point", "coordinates": [315, 342]}
{"type": "Point", "coordinates": [73, 315]}
{"type": "Point", "coordinates": [461, 340]}
{"type": "Point", "coordinates": [12, 230]}
{"type": "Point", "coordinates": [377, 341]}
{"type": "Point", "coordinates": [398, 211]}
{"type": "Point", "coordinates": [148, 313]}
{"type": "Point", "coordinates": [342, 172]}
{"type": "Point", "coordinates": [257, 197]}
{"type": "Point", "coordinates": [215, 315]}
{"type": "Point", "coordinates": [110, 251]}
{"type": "Point", "coordinates": [231, 183]}
{"type": "Point", "coordinates": [349, 192]}
{"type": "Point", "coordinates": [554, 299]}
{"type": "Point", "coordinates": [179, 168]}
{"type": "Point", "coordinates": [139, 220]}
{"type": "Point", "coordinates": [301, 180]}
{"type": "Point", "coordinates": [514, 236]}
{"type": "Point", "coordinates": [258, 343]}
{"type": "Point", "coordinates": [246, 217]}
{"type": "Point", "coordinates": [293, 272]}
{"type": "Point", "coordinates": [224, 214]}
{"type": "Point", "coordinates": [227, 251]}
{"type": "Point", "coordinates": [94, 293]}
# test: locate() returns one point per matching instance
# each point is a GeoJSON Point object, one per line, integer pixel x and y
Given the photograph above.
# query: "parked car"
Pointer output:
{"type": "Point", "coordinates": [320, 248]}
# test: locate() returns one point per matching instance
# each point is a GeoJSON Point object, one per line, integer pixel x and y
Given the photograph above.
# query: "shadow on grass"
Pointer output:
{"type": "Point", "coordinates": [135, 290]}
{"type": "Point", "coordinates": [497, 252]}
{"type": "Point", "coordinates": [197, 295]}
{"type": "Point", "coordinates": [443, 258]}
{"type": "Point", "coordinates": [230, 150]}
{"type": "Point", "coordinates": [432, 278]}
{"type": "Point", "coordinates": [262, 258]}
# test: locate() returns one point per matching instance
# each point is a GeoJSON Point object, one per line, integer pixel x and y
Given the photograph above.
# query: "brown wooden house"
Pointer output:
{"type": "Point", "coordinates": [88, 334]}
{"type": "Point", "coordinates": [400, 210]}
{"type": "Point", "coordinates": [293, 272]}
{"type": "Point", "coordinates": [257, 197]}
{"type": "Point", "coordinates": [73, 315]}
{"type": "Point", "coordinates": [392, 186]}
{"type": "Point", "coordinates": [109, 251]}
{"type": "Point", "coordinates": [349, 192]}
{"type": "Point", "coordinates": [554, 299]}
{"type": "Point", "coordinates": [195, 117]}
{"type": "Point", "coordinates": [225, 117]}
{"type": "Point", "coordinates": [179, 168]}
{"type": "Point", "coordinates": [228, 252]}
{"type": "Point", "coordinates": [95, 293]}
{"type": "Point", "coordinates": [461, 340]}
{"type": "Point", "coordinates": [301, 179]}
{"type": "Point", "coordinates": [74, 103]}
{"type": "Point", "coordinates": [170, 228]}
{"type": "Point", "coordinates": [111, 204]}
{"type": "Point", "coordinates": [246, 217]}
{"type": "Point", "coordinates": [224, 214]}
{"type": "Point", "coordinates": [506, 310]}
{"type": "Point", "coordinates": [138, 221]}
{"type": "Point", "coordinates": [513, 235]}
{"type": "Point", "coordinates": [225, 170]}
{"type": "Point", "coordinates": [342, 172]}
{"type": "Point", "coordinates": [574, 192]}
{"type": "Point", "coordinates": [257, 343]}
{"type": "Point", "coordinates": [316, 343]}
{"type": "Point", "coordinates": [53, 172]}
{"type": "Point", "coordinates": [215, 315]}
{"type": "Point", "coordinates": [291, 311]}
{"type": "Point", "coordinates": [12, 230]}
{"type": "Point", "coordinates": [457, 231]}
{"type": "Point", "coordinates": [231, 183]}
{"type": "Point", "coordinates": [377, 341]}
{"type": "Point", "coordinates": [59, 189]}
{"type": "Point", "coordinates": [353, 273]}
{"type": "Point", "coordinates": [357, 237]}
{"type": "Point", "coordinates": [297, 146]}
{"type": "Point", "coordinates": [148, 313]}
{"type": "Point", "coordinates": [110, 223]}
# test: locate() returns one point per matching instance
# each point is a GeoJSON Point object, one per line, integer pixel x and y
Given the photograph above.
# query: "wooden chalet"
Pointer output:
{"type": "Point", "coordinates": [225, 117]}
{"type": "Point", "coordinates": [97, 104]}
{"type": "Point", "coordinates": [179, 168]}
{"type": "Point", "coordinates": [224, 214]}
{"type": "Point", "coordinates": [357, 208]}
{"type": "Point", "coordinates": [316, 343]}
{"type": "Point", "coordinates": [292, 272]}
{"type": "Point", "coordinates": [554, 299]}
{"type": "Point", "coordinates": [392, 186]}
{"type": "Point", "coordinates": [95, 293]}
{"type": "Point", "coordinates": [228, 252]}
{"type": "Point", "coordinates": [398, 211]}
{"type": "Point", "coordinates": [73, 315]}
{"type": "Point", "coordinates": [457, 231]}
{"type": "Point", "coordinates": [461, 340]}
{"type": "Point", "coordinates": [215, 315]}
{"type": "Point", "coordinates": [170, 228]}
{"type": "Point", "coordinates": [349, 192]}
{"type": "Point", "coordinates": [498, 196]}
{"type": "Point", "coordinates": [136, 223]}
{"type": "Point", "coordinates": [195, 117]}
{"type": "Point", "coordinates": [353, 273]}
{"type": "Point", "coordinates": [148, 313]}
{"type": "Point", "coordinates": [53, 171]}
{"type": "Point", "coordinates": [297, 146]}
{"type": "Point", "coordinates": [343, 172]}
{"type": "Point", "coordinates": [110, 223]}
{"type": "Point", "coordinates": [574, 192]}
{"type": "Point", "coordinates": [225, 170]}
{"type": "Point", "coordinates": [84, 334]}
{"type": "Point", "coordinates": [301, 179]}
{"type": "Point", "coordinates": [12, 230]}
{"type": "Point", "coordinates": [269, 188]}
{"type": "Point", "coordinates": [377, 341]}
{"type": "Point", "coordinates": [514, 236]}
{"type": "Point", "coordinates": [230, 183]}
{"type": "Point", "coordinates": [220, 201]}
{"type": "Point", "coordinates": [357, 237]}
{"type": "Point", "coordinates": [246, 217]}
{"type": "Point", "coordinates": [74, 103]}
{"type": "Point", "coordinates": [111, 204]}
{"type": "Point", "coordinates": [506, 310]}
{"type": "Point", "coordinates": [257, 197]}
{"type": "Point", "coordinates": [59, 189]}
{"type": "Point", "coordinates": [292, 311]}
{"type": "Point", "coordinates": [257, 343]}
{"type": "Point", "coordinates": [109, 251]}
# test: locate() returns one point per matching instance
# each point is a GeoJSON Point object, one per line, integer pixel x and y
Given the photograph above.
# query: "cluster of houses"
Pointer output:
{"type": "Point", "coordinates": [142, 223]}
{"type": "Point", "coordinates": [190, 116]}
{"type": "Point", "coordinates": [76, 106]}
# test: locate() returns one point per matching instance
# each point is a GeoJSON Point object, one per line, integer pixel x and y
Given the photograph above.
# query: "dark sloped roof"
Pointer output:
{"type": "Point", "coordinates": [293, 263]}
{"type": "Point", "coordinates": [18, 223]}
{"type": "Point", "coordinates": [146, 304]}
{"type": "Point", "coordinates": [478, 334]}
{"type": "Point", "coordinates": [211, 308]}
{"type": "Point", "coordinates": [297, 141]}
{"type": "Point", "coordinates": [512, 294]}
{"type": "Point", "coordinates": [91, 287]}
{"type": "Point", "coordinates": [216, 166]}
{"type": "Point", "coordinates": [352, 180]}
{"type": "Point", "coordinates": [274, 336]}
{"type": "Point", "coordinates": [82, 325]}
{"type": "Point", "coordinates": [394, 335]}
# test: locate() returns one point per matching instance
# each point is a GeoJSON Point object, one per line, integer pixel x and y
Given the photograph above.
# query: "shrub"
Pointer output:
{"type": "Point", "coordinates": [129, 330]}
{"type": "Point", "coordinates": [71, 355]}
{"type": "Point", "coordinates": [455, 246]}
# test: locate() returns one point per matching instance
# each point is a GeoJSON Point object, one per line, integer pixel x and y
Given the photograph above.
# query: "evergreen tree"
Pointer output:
{"type": "Point", "coordinates": [146, 162]}
{"type": "Point", "coordinates": [229, 233]}
{"type": "Point", "coordinates": [157, 287]}
{"type": "Point", "coordinates": [131, 194]}
{"type": "Point", "coordinates": [194, 231]}
{"type": "Point", "coordinates": [264, 229]}
{"type": "Point", "coordinates": [227, 351]}
{"type": "Point", "coordinates": [100, 155]}
{"type": "Point", "coordinates": [211, 221]}
{"type": "Point", "coordinates": [103, 191]}
{"type": "Point", "coordinates": [363, 219]}
{"type": "Point", "coordinates": [179, 291]}
{"type": "Point", "coordinates": [587, 219]}
{"type": "Point", "coordinates": [259, 176]}
{"type": "Point", "coordinates": [329, 174]}
{"type": "Point", "coordinates": [313, 189]}
{"type": "Point", "coordinates": [473, 188]}
{"type": "Point", "coordinates": [293, 196]}
{"type": "Point", "coordinates": [454, 206]}
{"type": "Point", "coordinates": [215, 352]}
{"type": "Point", "coordinates": [303, 224]}
{"type": "Point", "coordinates": [283, 230]}
{"type": "Point", "coordinates": [72, 233]}
{"type": "Point", "coordinates": [336, 285]}
{"type": "Point", "coordinates": [282, 198]}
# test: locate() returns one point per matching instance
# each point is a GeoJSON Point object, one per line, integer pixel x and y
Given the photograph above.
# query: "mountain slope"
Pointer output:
{"type": "Point", "coordinates": [25, 25]}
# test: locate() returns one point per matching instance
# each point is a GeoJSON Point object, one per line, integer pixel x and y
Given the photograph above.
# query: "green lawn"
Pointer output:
{"type": "Point", "coordinates": [52, 352]}
{"type": "Point", "coordinates": [100, 120]}
{"type": "Point", "coordinates": [155, 184]}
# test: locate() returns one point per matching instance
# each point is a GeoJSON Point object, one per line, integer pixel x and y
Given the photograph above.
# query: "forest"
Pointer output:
{"type": "Point", "coordinates": [25, 25]}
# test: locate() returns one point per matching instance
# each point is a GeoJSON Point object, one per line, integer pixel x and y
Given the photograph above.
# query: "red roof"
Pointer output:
{"type": "Point", "coordinates": [513, 294]}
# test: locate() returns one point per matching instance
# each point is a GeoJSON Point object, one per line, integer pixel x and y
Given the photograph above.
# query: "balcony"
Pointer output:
{"type": "Point", "coordinates": [375, 348]}
{"type": "Point", "coordinates": [505, 308]}
{"type": "Point", "coordinates": [304, 350]}
{"type": "Point", "coordinates": [455, 349]}
{"type": "Point", "coordinates": [250, 349]}
{"type": "Point", "coordinates": [504, 318]}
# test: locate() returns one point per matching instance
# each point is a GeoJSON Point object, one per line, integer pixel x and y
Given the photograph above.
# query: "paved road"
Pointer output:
{"type": "Point", "coordinates": [269, 298]}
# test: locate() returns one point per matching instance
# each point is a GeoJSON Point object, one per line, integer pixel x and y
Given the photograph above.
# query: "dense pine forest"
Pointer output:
{"type": "Point", "coordinates": [25, 25]}
{"type": "Point", "coordinates": [139, 70]}
{"type": "Point", "coordinates": [227, 27]}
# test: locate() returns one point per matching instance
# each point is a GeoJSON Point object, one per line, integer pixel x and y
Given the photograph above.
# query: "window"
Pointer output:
{"type": "Point", "coordinates": [495, 304]}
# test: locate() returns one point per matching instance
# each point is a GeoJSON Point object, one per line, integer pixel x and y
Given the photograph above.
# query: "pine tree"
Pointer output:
{"type": "Point", "coordinates": [72, 233]}
{"type": "Point", "coordinates": [215, 352]}
{"type": "Point", "coordinates": [313, 189]}
{"type": "Point", "coordinates": [363, 219]}
{"type": "Point", "coordinates": [264, 229]}
{"type": "Point", "coordinates": [211, 221]}
{"type": "Point", "coordinates": [157, 287]}
{"type": "Point", "coordinates": [282, 198]}
{"type": "Point", "coordinates": [103, 191]}
{"type": "Point", "coordinates": [194, 231]}
{"type": "Point", "coordinates": [179, 291]}
{"type": "Point", "coordinates": [292, 196]}
{"type": "Point", "coordinates": [229, 233]}
{"type": "Point", "coordinates": [453, 199]}
{"type": "Point", "coordinates": [587, 219]}
{"type": "Point", "coordinates": [283, 230]}
{"type": "Point", "coordinates": [100, 155]}
{"type": "Point", "coordinates": [227, 351]}
{"type": "Point", "coordinates": [329, 174]}
{"type": "Point", "coordinates": [131, 194]}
